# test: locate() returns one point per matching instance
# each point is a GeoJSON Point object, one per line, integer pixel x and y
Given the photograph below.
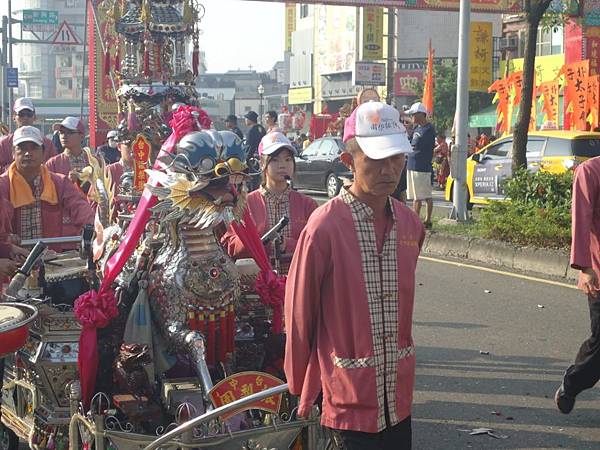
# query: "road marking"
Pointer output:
{"type": "Point", "coordinates": [499, 272]}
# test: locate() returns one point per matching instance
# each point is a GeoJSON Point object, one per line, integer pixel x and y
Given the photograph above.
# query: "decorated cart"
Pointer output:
{"type": "Point", "coordinates": [149, 336]}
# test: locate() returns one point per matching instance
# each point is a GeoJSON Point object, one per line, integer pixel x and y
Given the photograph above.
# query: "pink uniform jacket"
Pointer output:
{"type": "Point", "coordinates": [301, 207]}
{"type": "Point", "coordinates": [66, 218]}
{"type": "Point", "coordinates": [329, 325]}
{"type": "Point", "coordinates": [60, 163]}
{"type": "Point", "coordinates": [585, 222]}
{"type": "Point", "coordinates": [6, 151]}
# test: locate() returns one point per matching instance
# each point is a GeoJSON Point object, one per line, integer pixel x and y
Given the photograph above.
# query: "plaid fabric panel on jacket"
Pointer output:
{"type": "Point", "coordinates": [31, 215]}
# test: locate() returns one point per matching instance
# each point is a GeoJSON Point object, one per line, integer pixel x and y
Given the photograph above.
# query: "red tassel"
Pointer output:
{"type": "Point", "coordinates": [210, 340]}
{"type": "Point", "coordinates": [106, 62]}
{"type": "Point", "coordinates": [223, 336]}
{"type": "Point", "coordinates": [118, 60]}
{"type": "Point", "coordinates": [232, 329]}
{"type": "Point", "coordinates": [157, 64]}
{"type": "Point", "coordinates": [195, 60]}
{"type": "Point", "coordinates": [147, 71]}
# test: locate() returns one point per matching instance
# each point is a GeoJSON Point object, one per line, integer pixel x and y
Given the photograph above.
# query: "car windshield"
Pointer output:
{"type": "Point", "coordinates": [586, 148]}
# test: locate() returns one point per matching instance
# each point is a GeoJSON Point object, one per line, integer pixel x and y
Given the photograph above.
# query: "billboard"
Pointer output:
{"type": "Point", "coordinates": [480, 56]}
{"type": "Point", "coordinates": [369, 74]}
{"type": "Point", "coordinates": [372, 33]}
{"type": "Point", "coordinates": [335, 40]}
{"type": "Point", "coordinates": [494, 6]}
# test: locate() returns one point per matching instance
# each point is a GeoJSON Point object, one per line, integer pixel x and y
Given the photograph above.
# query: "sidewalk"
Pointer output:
{"type": "Point", "coordinates": [544, 262]}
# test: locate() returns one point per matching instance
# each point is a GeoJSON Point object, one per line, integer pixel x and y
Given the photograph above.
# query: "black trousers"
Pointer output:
{"type": "Point", "coordinates": [398, 437]}
{"type": "Point", "coordinates": [585, 372]}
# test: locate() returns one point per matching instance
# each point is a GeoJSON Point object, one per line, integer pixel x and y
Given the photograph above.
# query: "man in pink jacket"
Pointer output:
{"type": "Point", "coordinates": [350, 293]}
{"type": "Point", "coordinates": [585, 257]}
{"type": "Point", "coordinates": [37, 203]}
{"type": "Point", "coordinates": [24, 116]}
{"type": "Point", "coordinates": [73, 159]}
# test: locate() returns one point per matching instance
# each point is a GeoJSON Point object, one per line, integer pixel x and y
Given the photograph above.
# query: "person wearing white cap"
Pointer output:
{"type": "Point", "coordinates": [73, 159]}
{"type": "Point", "coordinates": [36, 202]}
{"type": "Point", "coordinates": [110, 151]}
{"type": "Point", "coordinates": [24, 115]}
{"type": "Point", "coordinates": [350, 294]}
{"type": "Point", "coordinates": [274, 199]}
{"type": "Point", "coordinates": [419, 163]}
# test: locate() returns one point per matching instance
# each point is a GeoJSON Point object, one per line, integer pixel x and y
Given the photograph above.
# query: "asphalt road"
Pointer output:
{"type": "Point", "coordinates": [531, 330]}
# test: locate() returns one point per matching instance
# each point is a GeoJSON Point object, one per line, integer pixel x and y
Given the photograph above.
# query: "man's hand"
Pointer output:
{"type": "Point", "coordinates": [8, 267]}
{"type": "Point", "coordinates": [588, 281]}
{"type": "Point", "coordinates": [18, 254]}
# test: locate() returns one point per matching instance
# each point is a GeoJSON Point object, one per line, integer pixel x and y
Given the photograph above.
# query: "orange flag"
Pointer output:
{"type": "Point", "coordinates": [428, 89]}
{"type": "Point", "coordinates": [550, 92]}
{"type": "Point", "coordinates": [516, 82]}
{"type": "Point", "coordinates": [502, 89]}
{"type": "Point", "coordinates": [593, 101]}
{"type": "Point", "coordinates": [575, 94]}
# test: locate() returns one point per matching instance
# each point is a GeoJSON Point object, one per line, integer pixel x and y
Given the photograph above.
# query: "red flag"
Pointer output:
{"type": "Point", "coordinates": [428, 90]}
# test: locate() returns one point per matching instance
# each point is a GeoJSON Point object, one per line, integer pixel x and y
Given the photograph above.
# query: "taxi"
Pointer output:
{"type": "Point", "coordinates": [551, 151]}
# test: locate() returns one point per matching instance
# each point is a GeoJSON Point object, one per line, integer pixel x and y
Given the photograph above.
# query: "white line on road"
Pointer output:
{"type": "Point", "coordinates": [499, 272]}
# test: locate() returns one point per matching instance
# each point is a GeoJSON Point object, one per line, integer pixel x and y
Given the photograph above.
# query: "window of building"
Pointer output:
{"type": "Point", "coordinates": [549, 42]}
{"type": "Point", "coordinates": [35, 89]}
{"type": "Point", "coordinates": [303, 10]}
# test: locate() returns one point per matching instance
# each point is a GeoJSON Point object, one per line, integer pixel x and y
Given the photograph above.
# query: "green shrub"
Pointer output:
{"type": "Point", "coordinates": [537, 214]}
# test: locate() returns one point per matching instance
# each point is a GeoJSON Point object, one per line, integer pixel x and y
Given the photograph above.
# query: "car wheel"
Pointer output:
{"type": "Point", "coordinates": [333, 185]}
{"type": "Point", "coordinates": [8, 439]}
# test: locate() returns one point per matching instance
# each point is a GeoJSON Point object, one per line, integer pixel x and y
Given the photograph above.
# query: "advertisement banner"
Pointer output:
{"type": "Point", "coordinates": [290, 24]}
{"type": "Point", "coordinates": [103, 101]}
{"type": "Point", "coordinates": [493, 6]}
{"type": "Point", "coordinates": [480, 56]}
{"type": "Point", "coordinates": [369, 74]}
{"type": "Point", "coordinates": [300, 96]}
{"type": "Point", "coordinates": [372, 33]}
{"type": "Point", "coordinates": [335, 40]}
{"type": "Point", "coordinates": [549, 90]}
{"type": "Point", "coordinates": [407, 81]}
{"type": "Point", "coordinates": [592, 48]}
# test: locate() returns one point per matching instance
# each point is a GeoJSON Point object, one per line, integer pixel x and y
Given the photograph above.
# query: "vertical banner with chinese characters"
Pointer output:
{"type": "Point", "coordinates": [480, 56]}
{"type": "Point", "coordinates": [290, 24]}
{"type": "Point", "coordinates": [515, 83]}
{"type": "Point", "coordinates": [102, 97]}
{"type": "Point", "coordinates": [141, 155]}
{"type": "Point", "coordinates": [242, 385]}
{"type": "Point", "coordinates": [592, 48]}
{"type": "Point", "coordinates": [575, 94]}
{"type": "Point", "coordinates": [593, 98]}
{"type": "Point", "coordinates": [372, 33]}
{"type": "Point", "coordinates": [549, 90]}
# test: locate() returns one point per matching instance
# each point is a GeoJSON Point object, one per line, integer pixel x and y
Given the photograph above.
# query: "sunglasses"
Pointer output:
{"type": "Point", "coordinates": [25, 113]}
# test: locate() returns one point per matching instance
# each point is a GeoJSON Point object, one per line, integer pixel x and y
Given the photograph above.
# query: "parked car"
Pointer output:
{"type": "Point", "coordinates": [550, 151]}
{"type": "Point", "coordinates": [319, 168]}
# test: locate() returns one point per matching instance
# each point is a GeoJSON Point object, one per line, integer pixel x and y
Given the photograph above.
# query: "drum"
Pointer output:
{"type": "Point", "coordinates": [15, 319]}
{"type": "Point", "coordinates": [65, 278]}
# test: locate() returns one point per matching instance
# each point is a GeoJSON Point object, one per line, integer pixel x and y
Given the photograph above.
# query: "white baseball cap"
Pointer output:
{"type": "Point", "coordinates": [23, 103]}
{"type": "Point", "coordinates": [27, 134]}
{"type": "Point", "coordinates": [272, 142]}
{"type": "Point", "coordinates": [73, 124]}
{"type": "Point", "coordinates": [378, 130]}
{"type": "Point", "coordinates": [112, 134]}
{"type": "Point", "coordinates": [416, 108]}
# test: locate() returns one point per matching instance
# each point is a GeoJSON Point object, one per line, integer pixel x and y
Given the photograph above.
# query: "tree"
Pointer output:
{"type": "Point", "coordinates": [444, 97]}
{"type": "Point", "coordinates": [534, 10]}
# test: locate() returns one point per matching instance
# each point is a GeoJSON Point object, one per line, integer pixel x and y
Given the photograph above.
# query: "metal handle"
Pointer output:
{"type": "Point", "coordinates": [51, 240]}
{"type": "Point", "coordinates": [17, 282]}
{"type": "Point", "coordinates": [216, 413]}
{"type": "Point", "coordinates": [269, 235]}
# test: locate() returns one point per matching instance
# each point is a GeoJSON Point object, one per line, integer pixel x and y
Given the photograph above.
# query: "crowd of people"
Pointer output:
{"type": "Point", "coordinates": [351, 282]}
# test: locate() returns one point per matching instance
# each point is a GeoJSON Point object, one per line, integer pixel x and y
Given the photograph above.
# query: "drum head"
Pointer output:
{"type": "Point", "coordinates": [9, 316]}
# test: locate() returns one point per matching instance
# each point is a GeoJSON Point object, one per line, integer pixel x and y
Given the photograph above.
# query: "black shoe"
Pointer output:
{"type": "Point", "coordinates": [564, 402]}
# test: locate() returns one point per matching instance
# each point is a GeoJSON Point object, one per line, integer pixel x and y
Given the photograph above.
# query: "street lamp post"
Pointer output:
{"type": "Point", "coordinates": [261, 92]}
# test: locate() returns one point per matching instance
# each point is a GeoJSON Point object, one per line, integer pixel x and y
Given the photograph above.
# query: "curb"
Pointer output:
{"type": "Point", "coordinates": [546, 262]}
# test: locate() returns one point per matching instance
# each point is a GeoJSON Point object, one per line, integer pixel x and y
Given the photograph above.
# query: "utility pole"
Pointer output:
{"type": "Point", "coordinates": [391, 47]}
{"type": "Point", "coordinates": [10, 62]}
{"type": "Point", "coordinates": [459, 151]}
{"type": "Point", "coordinates": [3, 69]}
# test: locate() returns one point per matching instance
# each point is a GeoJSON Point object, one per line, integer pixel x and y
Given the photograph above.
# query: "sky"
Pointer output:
{"type": "Point", "coordinates": [238, 34]}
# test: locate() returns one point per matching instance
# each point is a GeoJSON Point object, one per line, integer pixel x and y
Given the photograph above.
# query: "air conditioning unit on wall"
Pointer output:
{"type": "Point", "coordinates": [509, 43]}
